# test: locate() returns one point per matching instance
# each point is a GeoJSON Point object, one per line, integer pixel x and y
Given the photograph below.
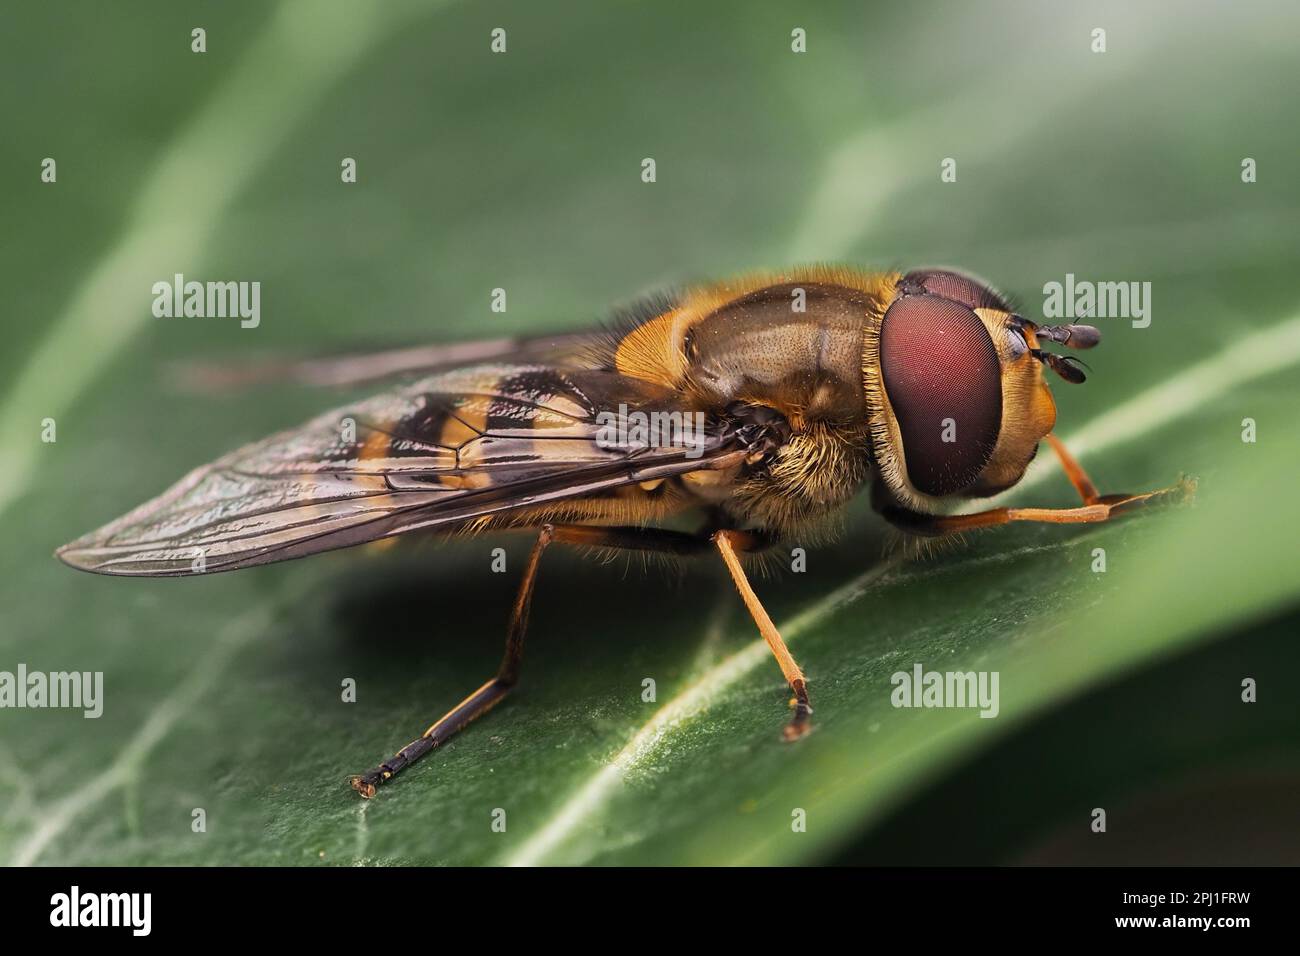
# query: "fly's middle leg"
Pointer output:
{"type": "Point", "coordinates": [728, 544]}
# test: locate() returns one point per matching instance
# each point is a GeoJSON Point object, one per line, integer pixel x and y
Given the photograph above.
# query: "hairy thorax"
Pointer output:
{"type": "Point", "coordinates": [741, 348]}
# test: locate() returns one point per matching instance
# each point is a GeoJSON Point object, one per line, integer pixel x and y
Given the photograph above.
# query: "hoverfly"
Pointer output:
{"type": "Point", "coordinates": [805, 388]}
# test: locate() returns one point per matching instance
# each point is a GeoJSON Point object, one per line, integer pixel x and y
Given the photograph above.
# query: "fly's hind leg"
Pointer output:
{"type": "Point", "coordinates": [482, 700]}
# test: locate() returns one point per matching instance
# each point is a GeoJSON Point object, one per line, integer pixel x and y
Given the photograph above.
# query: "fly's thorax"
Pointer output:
{"type": "Point", "coordinates": [792, 342]}
{"type": "Point", "coordinates": [757, 348]}
{"type": "Point", "coordinates": [928, 380]}
{"type": "Point", "coordinates": [956, 399]}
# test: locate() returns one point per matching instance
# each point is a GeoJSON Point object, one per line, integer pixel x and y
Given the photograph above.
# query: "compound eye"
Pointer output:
{"type": "Point", "coordinates": [944, 382]}
{"type": "Point", "coordinates": [955, 286]}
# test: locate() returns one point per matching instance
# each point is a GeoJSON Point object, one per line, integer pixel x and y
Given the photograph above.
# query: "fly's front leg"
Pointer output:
{"type": "Point", "coordinates": [1096, 507]}
{"type": "Point", "coordinates": [1182, 491]}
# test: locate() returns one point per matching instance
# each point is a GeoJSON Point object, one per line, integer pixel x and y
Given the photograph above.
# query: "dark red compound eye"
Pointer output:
{"type": "Point", "coordinates": [955, 286]}
{"type": "Point", "coordinates": [943, 379]}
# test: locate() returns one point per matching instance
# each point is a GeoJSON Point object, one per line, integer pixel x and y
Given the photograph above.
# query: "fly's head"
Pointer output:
{"type": "Point", "coordinates": [956, 399]}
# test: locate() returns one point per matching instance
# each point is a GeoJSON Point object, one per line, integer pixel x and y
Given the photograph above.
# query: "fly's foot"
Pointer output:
{"type": "Point", "coordinates": [367, 783]}
{"type": "Point", "coordinates": [800, 724]}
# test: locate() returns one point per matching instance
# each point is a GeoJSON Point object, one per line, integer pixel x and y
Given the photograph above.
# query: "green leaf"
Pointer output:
{"type": "Point", "coordinates": [522, 171]}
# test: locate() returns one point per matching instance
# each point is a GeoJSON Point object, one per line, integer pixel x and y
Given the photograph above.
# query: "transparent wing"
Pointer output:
{"type": "Point", "coordinates": [437, 453]}
{"type": "Point", "coordinates": [206, 375]}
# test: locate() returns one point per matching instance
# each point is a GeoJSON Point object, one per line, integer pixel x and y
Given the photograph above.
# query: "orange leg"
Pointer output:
{"type": "Point", "coordinates": [656, 540]}
{"type": "Point", "coordinates": [726, 542]}
{"type": "Point", "coordinates": [1074, 471]}
{"type": "Point", "coordinates": [1096, 507]}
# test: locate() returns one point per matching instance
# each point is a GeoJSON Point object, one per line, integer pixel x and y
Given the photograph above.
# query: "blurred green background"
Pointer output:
{"type": "Point", "coordinates": [1119, 690]}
